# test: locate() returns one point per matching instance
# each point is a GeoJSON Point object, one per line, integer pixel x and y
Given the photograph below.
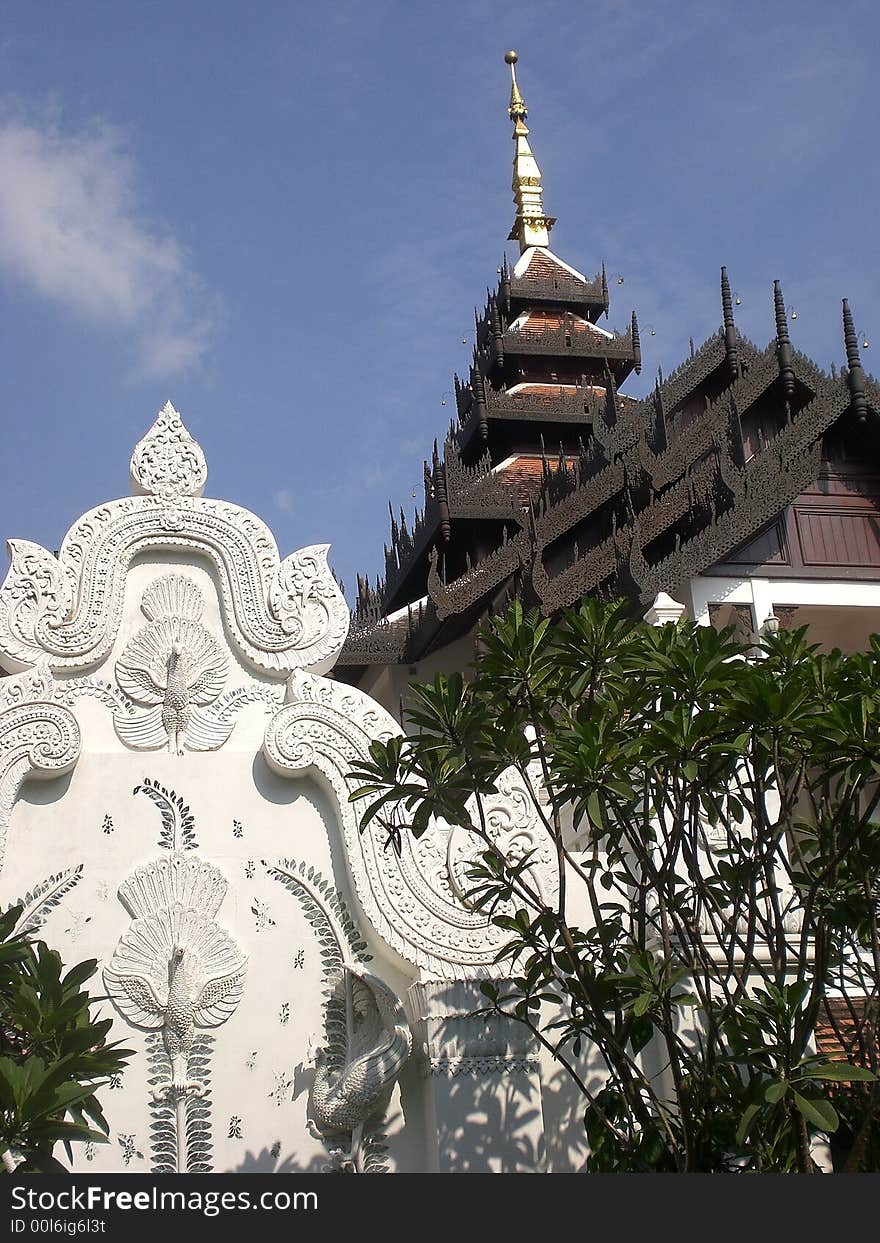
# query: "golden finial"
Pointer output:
{"type": "Point", "coordinates": [531, 226]}
{"type": "Point", "coordinates": [517, 110]}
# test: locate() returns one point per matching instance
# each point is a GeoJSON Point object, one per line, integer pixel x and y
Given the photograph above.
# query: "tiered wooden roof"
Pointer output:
{"type": "Point", "coordinates": [552, 484]}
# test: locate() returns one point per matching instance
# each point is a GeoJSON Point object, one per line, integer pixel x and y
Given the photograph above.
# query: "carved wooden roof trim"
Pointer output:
{"type": "Point", "coordinates": [472, 587]}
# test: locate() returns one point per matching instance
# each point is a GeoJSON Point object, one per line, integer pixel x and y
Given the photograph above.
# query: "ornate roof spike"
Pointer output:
{"type": "Point", "coordinates": [783, 341]}
{"type": "Point", "coordinates": [855, 372]}
{"type": "Point", "coordinates": [610, 397]}
{"type": "Point", "coordinates": [605, 297]}
{"type": "Point", "coordinates": [395, 533]}
{"type": "Point", "coordinates": [479, 391]}
{"type": "Point", "coordinates": [440, 496]}
{"type": "Point", "coordinates": [504, 285]}
{"type": "Point", "coordinates": [737, 448]}
{"type": "Point", "coordinates": [531, 226]}
{"type": "Point", "coordinates": [729, 326]}
{"type": "Point", "coordinates": [637, 344]}
{"type": "Point", "coordinates": [661, 439]}
{"type": "Point", "coordinates": [496, 330]}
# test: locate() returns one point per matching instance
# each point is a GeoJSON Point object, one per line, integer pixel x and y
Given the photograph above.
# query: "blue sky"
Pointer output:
{"type": "Point", "coordinates": [281, 216]}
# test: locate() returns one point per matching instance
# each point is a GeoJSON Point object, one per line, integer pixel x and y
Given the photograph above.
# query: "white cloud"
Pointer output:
{"type": "Point", "coordinates": [283, 500]}
{"type": "Point", "coordinates": [73, 231]}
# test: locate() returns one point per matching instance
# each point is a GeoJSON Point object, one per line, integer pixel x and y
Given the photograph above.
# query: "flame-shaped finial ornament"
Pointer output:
{"type": "Point", "coordinates": [167, 462]}
{"type": "Point", "coordinates": [531, 226]}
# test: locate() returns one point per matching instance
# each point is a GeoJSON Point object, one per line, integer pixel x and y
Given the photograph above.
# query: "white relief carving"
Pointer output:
{"type": "Point", "coordinates": [378, 1042]}
{"type": "Point", "coordinates": [176, 668]}
{"type": "Point", "coordinates": [489, 1064]}
{"type": "Point", "coordinates": [35, 686]}
{"type": "Point", "coordinates": [224, 710]}
{"type": "Point", "coordinates": [39, 902]}
{"type": "Point", "coordinates": [37, 593]}
{"type": "Point", "coordinates": [69, 691]}
{"type": "Point", "coordinates": [168, 462]}
{"type": "Point", "coordinates": [175, 969]}
{"type": "Point", "coordinates": [367, 1033]}
{"type": "Point", "coordinates": [229, 703]}
{"type": "Point", "coordinates": [279, 615]}
{"type": "Point", "coordinates": [37, 737]}
{"type": "Point", "coordinates": [514, 827]}
{"type": "Point", "coordinates": [303, 595]}
{"type": "Point", "coordinates": [377, 1046]}
{"type": "Point", "coordinates": [322, 730]}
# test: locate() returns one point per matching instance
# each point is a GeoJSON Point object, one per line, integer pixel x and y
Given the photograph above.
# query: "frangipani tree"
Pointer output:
{"type": "Point", "coordinates": [713, 815]}
{"type": "Point", "coordinates": [54, 1054]}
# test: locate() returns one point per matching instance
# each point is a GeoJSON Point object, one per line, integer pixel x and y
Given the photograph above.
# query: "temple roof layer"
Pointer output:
{"type": "Point", "coordinates": [552, 484]}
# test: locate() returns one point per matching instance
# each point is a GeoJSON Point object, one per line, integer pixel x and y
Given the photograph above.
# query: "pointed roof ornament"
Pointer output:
{"type": "Point", "coordinates": [729, 327]}
{"type": "Point", "coordinates": [637, 344]}
{"type": "Point", "coordinates": [783, 341]}
{"type": "Point", "coordinates": [531, 226]}
{"type": "Point", "coordinates": [855, 372]}
{"type": "Point", "coordinates": [167, 462]}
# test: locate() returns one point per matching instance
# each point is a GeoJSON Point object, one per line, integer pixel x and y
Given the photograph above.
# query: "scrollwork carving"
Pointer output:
{"type": "Point", "coordinates": [516, 832]}
{"type": "Point", "coordinates": [279, 615]}
{"type": "Point", "coordinates": [37, 737]}
{"type": "Point", "coordinates": [322, 730]}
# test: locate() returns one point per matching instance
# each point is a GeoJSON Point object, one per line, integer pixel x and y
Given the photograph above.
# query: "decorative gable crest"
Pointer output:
{"type": "Point", "coordinates": [176, 687]}
{"type": "Point", "coordinates": [279, 615]}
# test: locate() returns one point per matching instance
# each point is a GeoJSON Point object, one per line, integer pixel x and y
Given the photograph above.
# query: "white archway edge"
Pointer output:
{"type": "Point", "coordinates": [410, 898]}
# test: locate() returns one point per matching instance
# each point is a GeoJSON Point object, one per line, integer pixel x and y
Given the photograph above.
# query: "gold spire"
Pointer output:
{"type": "Point", "coordinates": [531, 226]}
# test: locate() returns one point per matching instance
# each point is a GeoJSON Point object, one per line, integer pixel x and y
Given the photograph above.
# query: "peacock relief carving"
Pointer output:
{"type": "Point", "coordinates": [176, 668]}
{"type": "Point", "coordinates": [174, 967]}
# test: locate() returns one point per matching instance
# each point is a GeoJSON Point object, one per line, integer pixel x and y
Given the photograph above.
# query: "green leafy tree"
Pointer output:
{"type": "Point", "coordinates": [53, 1054]}
{"type": "Point", "coordinates": [712, 811]}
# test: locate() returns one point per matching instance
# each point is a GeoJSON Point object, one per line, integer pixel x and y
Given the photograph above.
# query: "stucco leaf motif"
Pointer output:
{"type": "Point", "coordinates": [37, 594]}
{"type": "Point", "coordinates": [175, 667]}
{"type": "Point", "coordinates": [307, 603]}
{"type": "Point", "coordinates": [168, 462]}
